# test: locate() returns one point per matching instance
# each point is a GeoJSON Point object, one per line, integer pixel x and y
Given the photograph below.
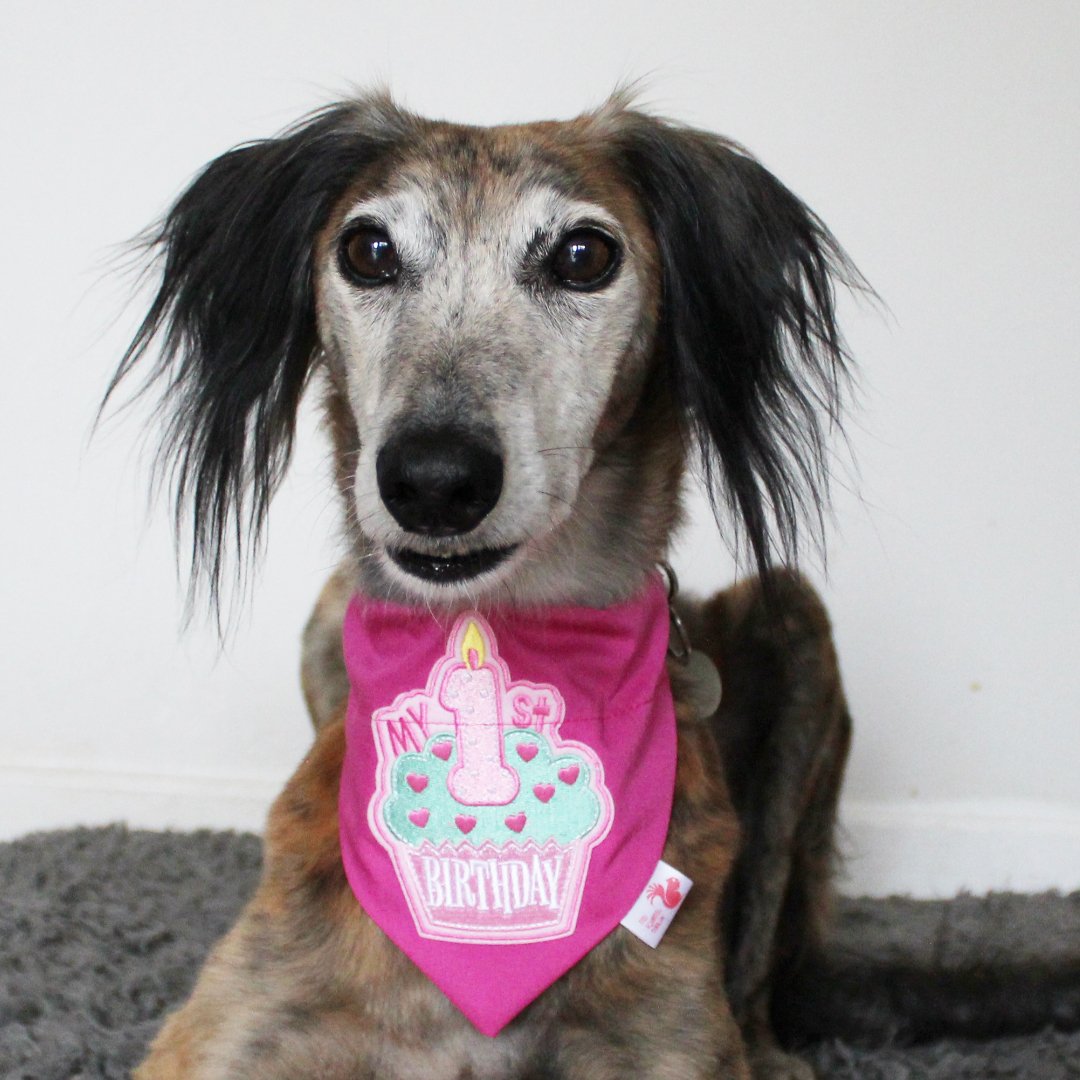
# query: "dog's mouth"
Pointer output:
{"type": "Point", "coordinates": [449, 569]}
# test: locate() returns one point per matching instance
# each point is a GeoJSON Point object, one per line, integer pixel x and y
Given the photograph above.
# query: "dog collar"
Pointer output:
{"type": "Point", "coordinates": [507, 786]}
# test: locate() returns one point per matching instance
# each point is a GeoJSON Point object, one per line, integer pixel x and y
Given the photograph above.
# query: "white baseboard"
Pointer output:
{"type": "Point", "coordinates": [922, 849]}
{"type": "Point", "coordinates": [33, 798]}
{"type": "Point", "coordinates": [938, 849]}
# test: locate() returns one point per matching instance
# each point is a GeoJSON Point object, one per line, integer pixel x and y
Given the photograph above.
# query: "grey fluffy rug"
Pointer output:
{"type": "Point", "coordinates": [102, 931]}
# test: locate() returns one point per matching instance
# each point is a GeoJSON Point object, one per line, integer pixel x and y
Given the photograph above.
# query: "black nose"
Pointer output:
{"type": "Point", "coordinates": [439, 482]}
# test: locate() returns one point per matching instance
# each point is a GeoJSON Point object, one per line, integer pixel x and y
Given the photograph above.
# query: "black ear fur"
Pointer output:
{"type": "Point", "coordinates": [234, 318]}
{"type": "Point", "coordinates": [748, 322]}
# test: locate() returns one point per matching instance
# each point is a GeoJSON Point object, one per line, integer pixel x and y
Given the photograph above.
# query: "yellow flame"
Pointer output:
{"type": "Point", "coordinates": [473, 642]}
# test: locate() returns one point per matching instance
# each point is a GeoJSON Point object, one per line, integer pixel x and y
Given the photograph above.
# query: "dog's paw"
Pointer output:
{"type": "Point", "coordinates": [771, 1063]}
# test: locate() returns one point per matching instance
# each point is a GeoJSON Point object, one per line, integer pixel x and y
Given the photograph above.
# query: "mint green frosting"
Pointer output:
{"type": "Point", "coordinates": [570, 813]}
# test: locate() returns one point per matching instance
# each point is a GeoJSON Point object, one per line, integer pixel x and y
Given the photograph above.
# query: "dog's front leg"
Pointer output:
{"type": "Point", "coordinates": [306, 987]}
{"type": "Point", "coordinates": [662, 1014]}
{"type": "Point", "coordinates": [247, 1018]}
{"type": "Point", "coordinates": [661, 1017]}
{"type": "Point", "coordinates": [283, 994]}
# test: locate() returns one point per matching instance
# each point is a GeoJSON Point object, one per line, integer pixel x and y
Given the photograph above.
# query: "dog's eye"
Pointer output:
{"type": "Point", "coordinates": [368, 256]}
{"type": "Point", "coordinates": [585, 259]}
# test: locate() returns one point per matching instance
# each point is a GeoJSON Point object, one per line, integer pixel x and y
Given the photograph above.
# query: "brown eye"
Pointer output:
{"type": "Point", "coordinates": [368, 257]}
{"type": "Point", "coordinates": [585, 259]}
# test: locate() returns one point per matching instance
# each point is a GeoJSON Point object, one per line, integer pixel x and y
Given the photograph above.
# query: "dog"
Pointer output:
{"type": "Point", "coordinates": [525, 335]}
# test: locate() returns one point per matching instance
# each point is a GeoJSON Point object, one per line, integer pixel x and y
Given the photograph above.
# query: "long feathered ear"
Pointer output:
{"type": "Point", "coordinates": [232, 327]}
{"type": "Point", "coordinates": [748, 323]}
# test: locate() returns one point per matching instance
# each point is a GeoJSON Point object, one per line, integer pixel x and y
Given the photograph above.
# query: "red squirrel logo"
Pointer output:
{"type": "Point", "coordinates": [668, 894]}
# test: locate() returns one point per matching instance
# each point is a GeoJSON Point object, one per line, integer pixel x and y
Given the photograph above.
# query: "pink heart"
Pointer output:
{"type": "Point", "coordinates": [527, 751]}
{"type": "Point", "coordinates": [442, 749]}
{"type": "Point", "coordinates": [465, 822]}
{"type": "Point", "coordinates": [544, 792]}
{"type": "Point", "coordinates": [419, 817]}
{"type": "Point", "coordinates": [569, 773]}
{"type": "Point", "coordinates": [416, 782]}
{"type": "Point", "coordinates": [516, 822]}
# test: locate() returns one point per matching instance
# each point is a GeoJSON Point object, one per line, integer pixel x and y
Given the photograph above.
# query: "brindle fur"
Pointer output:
{"type": "Point", "coordinates": [592, 421]}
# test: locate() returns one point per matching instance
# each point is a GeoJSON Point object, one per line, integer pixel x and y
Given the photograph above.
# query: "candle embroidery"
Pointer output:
{"type": "Point", "coordinates": [489, 817]}
{"type": "Point", "coordinates": [481, 776]}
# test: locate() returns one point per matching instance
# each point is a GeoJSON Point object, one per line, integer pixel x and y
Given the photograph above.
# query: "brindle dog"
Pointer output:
{"type": "Point", "coordinates": [522, 331]}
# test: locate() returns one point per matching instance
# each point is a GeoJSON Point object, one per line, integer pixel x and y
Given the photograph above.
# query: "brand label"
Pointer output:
{"type": "Point", "coordinates": [654, 909]}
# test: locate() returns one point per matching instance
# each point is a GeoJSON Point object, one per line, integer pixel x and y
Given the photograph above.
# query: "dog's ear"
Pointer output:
{"type": "Point", "coordinates": [232, 327]}
{"type": "Point", "coordinates": [748, 324]}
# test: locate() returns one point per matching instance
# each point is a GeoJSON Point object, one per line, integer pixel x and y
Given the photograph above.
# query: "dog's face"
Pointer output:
{"type": "Point", "coordinates": [487, 306]}
{"type": "Point", "coordinates": [523, 328]}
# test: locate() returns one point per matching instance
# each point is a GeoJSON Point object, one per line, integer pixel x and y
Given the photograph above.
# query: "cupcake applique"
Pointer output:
{"type": "Point", "coordinates": [488, 816]}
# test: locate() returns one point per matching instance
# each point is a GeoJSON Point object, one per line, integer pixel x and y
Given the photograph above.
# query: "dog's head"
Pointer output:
{"type": "Point", "coordinates": [521, 329]}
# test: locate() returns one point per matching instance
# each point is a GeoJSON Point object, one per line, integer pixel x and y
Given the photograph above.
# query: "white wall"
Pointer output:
{"type": "Point", "coordinates": [940, 141]}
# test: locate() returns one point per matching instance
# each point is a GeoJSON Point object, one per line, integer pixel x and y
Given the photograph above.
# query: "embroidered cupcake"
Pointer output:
{"type": "Point", "coordinates": [488, 816]}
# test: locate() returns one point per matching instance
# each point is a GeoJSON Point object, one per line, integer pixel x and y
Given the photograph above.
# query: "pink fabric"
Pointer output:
{"type": "Point", "coordinates": [507, 786]}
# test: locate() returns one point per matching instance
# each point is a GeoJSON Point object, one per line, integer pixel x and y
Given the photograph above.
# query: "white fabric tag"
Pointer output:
{"type": "Point", "coordinates": [654, 909]}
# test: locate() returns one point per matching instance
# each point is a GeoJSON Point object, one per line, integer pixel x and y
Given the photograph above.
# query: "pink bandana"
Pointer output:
{"type": "Point", "coordinates": [507, 786]}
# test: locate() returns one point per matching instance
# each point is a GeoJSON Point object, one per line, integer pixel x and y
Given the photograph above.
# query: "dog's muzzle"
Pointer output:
{"type": "Point", "coordinates": [441, 483]}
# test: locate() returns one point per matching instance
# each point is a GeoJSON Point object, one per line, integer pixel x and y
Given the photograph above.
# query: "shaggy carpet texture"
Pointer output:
{"type": "Point", "coordinates": [102, 931]}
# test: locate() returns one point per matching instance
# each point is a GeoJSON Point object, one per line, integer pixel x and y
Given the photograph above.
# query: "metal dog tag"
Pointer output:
{"type": "Point", "coordinates": [702, 687]}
